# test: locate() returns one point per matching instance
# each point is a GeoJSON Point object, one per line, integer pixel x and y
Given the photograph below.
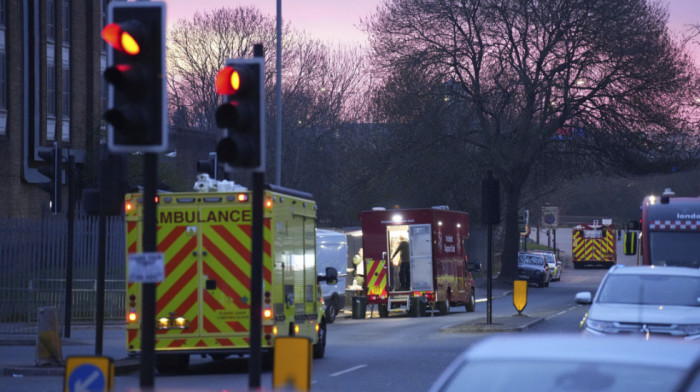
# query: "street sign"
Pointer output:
{"type": "Point", "coordinates": [89, 374]}
{"type": "Point", "coordinates": [550, 217]}
{"type": "Point", "coordinates": [147, 267]}
{"type": "Point", "coordinates": [519, 295]}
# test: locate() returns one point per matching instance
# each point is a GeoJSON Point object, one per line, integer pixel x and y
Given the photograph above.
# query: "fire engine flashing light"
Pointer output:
{"type": "Point", "coordinates": [439, 223]}
{"type": "Point", "coordinates": [397, 218]}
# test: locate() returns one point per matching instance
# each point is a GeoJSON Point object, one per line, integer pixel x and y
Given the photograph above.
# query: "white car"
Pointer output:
{"type": "Point", "coordinates": [648, 300]}
{"type": "Point", "coordinates": [532, 362]}
{"type": "Point", "coordinates": [555, 266]}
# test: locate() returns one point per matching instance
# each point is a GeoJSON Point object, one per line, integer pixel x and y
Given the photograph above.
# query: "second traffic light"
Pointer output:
{"type": "Point", "coordinates": [242, 113]}
{"type": "Point", "coordinates": [54, 172]}
{"type": "Point", "coordinates": [137, 113]}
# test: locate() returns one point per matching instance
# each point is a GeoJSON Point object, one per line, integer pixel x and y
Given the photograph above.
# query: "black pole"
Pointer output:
{"type": "Point", "coordinates": [101, 251]}
{"type": "Point", "coordinates": [148, 310]}
{"type": "Point", "coordinates": [69, 248]}
{"type": "Point", "coordinates": [489, 271]}
{"type": "Point", "coordinates": [256, 282]}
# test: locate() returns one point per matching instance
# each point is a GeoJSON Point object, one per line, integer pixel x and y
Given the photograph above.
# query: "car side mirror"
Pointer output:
{"type": "Point", "coordinates": [331, 276]}
{"type": "Point", "coordinates": [584, 298]}
{"type": "Point", "coordinates": [474, 266]}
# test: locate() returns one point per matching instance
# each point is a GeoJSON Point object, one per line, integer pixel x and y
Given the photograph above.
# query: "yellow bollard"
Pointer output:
{"type": "Point", "coordinates": [519, 295]}
{"type": "Point", "coordinates": [292, 363]}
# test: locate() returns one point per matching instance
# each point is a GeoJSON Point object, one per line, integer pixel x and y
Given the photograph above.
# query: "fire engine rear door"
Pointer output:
{"type": "Point", "coordinates": [421, 257]}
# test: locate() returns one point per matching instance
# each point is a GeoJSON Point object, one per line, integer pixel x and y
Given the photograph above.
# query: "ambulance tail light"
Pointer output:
{"type": "Point", "coordinates": [267, 313]}
{"type": "Point", "coordinates": [173, 322]}
{"type": "Point", "coordinates": [274, 330]}
{"type": "Point", "coordinates": [131, 316]}
{"type": "Point", "coordinates": [318, 327]}
{"type": "Point", "coordinates": [296, 329]}
{"type": "Point", "coordinates": [128, 207]}
{"type": "Point", "coordinates": [372, 297]}
{"type": "Point", "coordinates": [268, 203]}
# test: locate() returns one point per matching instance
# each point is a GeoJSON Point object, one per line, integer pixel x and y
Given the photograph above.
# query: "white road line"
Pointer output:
{"type": "Point", "coordinates": [560, 313]}
{"type": "Point", "coordinates": [352, 369]}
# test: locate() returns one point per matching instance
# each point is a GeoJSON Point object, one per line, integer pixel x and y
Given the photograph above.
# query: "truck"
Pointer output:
{"type": "Point", "coordinates": [594, 244]}
{"type": "Point", "coordinates": [332, 251]}
{"type": "Point", "coordinates": [203, 302]}
{"type": "Point", "coordinates": [670, 231]}
{"type": "Point", "coordinates": [439, 275]}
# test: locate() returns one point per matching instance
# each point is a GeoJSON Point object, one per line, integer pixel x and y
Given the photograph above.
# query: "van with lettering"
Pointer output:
{"type": "Point", "coordinates": [203, 302]}
{"type": "Point", "coordinates": [415, 260]}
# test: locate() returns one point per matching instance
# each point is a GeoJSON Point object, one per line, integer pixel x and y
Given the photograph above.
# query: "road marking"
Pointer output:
{"type": "Point", "coordinates": [352, 369]}
{"type": "Point", "coordinates": [560, 313]}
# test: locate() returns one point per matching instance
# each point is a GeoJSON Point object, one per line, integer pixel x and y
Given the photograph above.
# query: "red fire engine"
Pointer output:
{"type": "Point", "coordinates": [594, 244]}
{"type": "Point", "coordinates": [439, 273]}
{"type": "Point", "coordinates": [670, 232]}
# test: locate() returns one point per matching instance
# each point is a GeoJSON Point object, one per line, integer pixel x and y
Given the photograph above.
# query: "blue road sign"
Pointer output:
{"type": "Point", "coordinates": [87, 378]}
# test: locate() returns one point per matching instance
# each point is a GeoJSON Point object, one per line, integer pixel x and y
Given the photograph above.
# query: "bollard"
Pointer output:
{"type": "Point", "coordinates": [48, 341]}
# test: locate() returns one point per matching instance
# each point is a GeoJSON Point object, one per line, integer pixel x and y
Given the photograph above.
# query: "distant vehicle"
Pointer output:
{"type": "Point", "coordinates": [647, 300]}
{"type": "Point", "coordinates": [670, 231]}
{"type": "Point", "coordinates": [534, 268]}
{"type": "Point", "coordinates": [594, 244]}
{"type": "Point", "coordinates": [555, 266]}
{"type": "Point", "coordinates": [332, 251]}
{"type": "Point", "coordinates": [439, 272]}
{"type": "Point", "coordinates": [538, 363]}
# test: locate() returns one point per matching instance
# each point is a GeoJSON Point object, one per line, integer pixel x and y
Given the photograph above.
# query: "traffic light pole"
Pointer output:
{"type": "Point", "coordinates": [256, 277]}
{"type": "Point", "coordinates": [148, 325]}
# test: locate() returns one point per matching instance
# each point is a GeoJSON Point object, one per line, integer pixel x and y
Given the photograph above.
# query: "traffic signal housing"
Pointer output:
{"type": "Point", "coordinates": [137, 114]}
{"type": "Point", "coordinates": [209, 166]}
{"type": "Point", "coordinates": [242, 114]}
{"type": "Point", "coordinates": [53, 170]}
{"type": "Point", "coordinates": [523, 221]}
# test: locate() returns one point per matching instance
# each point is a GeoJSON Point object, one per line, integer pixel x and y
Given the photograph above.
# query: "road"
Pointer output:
{"type": "Point", "coordinates": [397, 353]}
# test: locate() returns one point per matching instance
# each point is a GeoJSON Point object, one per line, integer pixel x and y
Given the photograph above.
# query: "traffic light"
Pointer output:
{"type": "Point", "coordinates": [242, 114]}
{"type": "Point", "coordinates": [522, 221]}
{"type": "Point", "coordinates": [53, 171]}
{"type": "Point", "coordinates": [137, 114]}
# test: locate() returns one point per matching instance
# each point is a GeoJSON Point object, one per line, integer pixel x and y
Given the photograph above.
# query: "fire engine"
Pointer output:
{"type": "Point", "coordinates": [594, 244]}
{"type": "Point", "coordinates": [203, 303]}
{"type": "Point", "coordinates": [439, 273]}
{"type": "Point", "coordinates": [670, 231]}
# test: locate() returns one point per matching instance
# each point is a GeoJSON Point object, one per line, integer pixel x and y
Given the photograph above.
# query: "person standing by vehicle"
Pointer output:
{"type": "Point", "coordinates": [405, 267]}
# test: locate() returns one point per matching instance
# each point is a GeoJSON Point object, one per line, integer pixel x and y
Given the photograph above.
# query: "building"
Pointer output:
{"type": "Point", "coordinates": [51, 91]}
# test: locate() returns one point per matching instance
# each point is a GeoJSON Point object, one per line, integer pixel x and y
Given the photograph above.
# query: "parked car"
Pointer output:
{"type": "Point", "coordinates": [649, 300]}
{"type": "Point", "coordinates": [519, 362]}
{"type": "Point", "coordinates": [332, 251]}
{"type": "Point", "coordinates": [555, 266]}
{"type": "Point", "coordinates": [533, 268]}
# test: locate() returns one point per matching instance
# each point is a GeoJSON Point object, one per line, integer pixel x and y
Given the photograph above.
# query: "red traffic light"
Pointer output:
{"type": "Point", "coordinates": [125, 37]}
{"type": "Point", "coordinates": [228, 81]}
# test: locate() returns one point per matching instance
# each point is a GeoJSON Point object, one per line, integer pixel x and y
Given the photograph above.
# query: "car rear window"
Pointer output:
{"type": "Point", "coordinates": [530, 259]}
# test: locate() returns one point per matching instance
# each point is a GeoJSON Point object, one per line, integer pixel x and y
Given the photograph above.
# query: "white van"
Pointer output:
{"type": "Point", "coordinates": [332, 251]}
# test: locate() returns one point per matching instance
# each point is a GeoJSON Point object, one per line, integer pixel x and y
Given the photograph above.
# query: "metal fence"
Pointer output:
{"type": "Point", "coordinates": [33, 262]}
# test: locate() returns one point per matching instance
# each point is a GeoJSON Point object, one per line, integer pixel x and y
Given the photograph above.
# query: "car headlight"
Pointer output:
{"type": "Point", "coordinates": [601, 326]}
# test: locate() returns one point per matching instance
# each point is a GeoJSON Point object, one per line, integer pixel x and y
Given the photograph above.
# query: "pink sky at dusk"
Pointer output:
{"type": "Point", "coordinates": [336, 21]}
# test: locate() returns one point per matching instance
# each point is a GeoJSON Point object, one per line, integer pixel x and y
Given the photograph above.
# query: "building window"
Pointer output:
{"type": "Point", "coordinates": [3, 70]}
{"type": "Point", "coordinates": [65, 18]}
{"type": "Point", "coordinates": [65, 93]}
{"type": "Point", "coordinates": [50, 21]}
{"type": "Point", "coordinates": [51, 90]}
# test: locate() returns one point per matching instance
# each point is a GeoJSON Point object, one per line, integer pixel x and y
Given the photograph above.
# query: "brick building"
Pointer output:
{"type": "Point", "coordinates": [51, 62]}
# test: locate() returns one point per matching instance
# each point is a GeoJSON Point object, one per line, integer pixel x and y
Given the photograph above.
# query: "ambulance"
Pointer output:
{"type": "Point", "coordinates": [594, 244]}
{"type": "Point", "coordinates": [203, 302]}
{"type": "Point", "coordinates": [439, 277]}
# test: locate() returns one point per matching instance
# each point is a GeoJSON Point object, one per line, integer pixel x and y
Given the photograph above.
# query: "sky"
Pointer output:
{"type": "Point", "coordinates": [337, 21]}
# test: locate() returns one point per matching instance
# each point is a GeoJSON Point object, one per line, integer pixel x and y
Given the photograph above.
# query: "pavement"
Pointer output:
{"type": "Point", "coordinates": [18, 352]}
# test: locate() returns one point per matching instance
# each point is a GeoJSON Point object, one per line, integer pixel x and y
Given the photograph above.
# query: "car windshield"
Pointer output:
{"type": "Point", "coordinates": [509, 375]}
{"type": "Point", "coordinates": [674, 248]}
{"type": "Point", "coordinates": [530, 259]}
{"type": "Point", "coordinates": [549, 257]}
{"type": "Point", "coordinates": [651, 290]}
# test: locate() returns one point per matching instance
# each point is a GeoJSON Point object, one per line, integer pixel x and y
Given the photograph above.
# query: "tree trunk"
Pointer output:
{"type": "Point", "coordinates": [511, 242]}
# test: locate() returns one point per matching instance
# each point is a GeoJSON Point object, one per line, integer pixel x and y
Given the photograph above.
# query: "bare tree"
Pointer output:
{"type": "Point", "coordinates": [516, 72]}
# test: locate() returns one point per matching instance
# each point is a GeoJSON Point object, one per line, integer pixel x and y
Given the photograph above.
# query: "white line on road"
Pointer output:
{"type": "Point", "coordinates": [560, 313]}
{"type": "Point", "coordinates": [352, 369]}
